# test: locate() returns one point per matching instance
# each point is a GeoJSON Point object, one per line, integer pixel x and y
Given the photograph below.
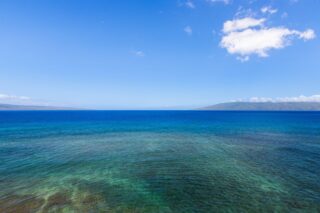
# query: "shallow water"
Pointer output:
{"type": "Point", "coordinates": [159, 161]}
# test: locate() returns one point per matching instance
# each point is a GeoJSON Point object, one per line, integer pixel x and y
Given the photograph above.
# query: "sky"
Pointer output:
{"type": "Point", "coordinates": [142, 54]}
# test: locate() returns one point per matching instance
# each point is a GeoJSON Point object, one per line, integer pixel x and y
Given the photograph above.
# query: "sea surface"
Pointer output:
{"type": "Point", "coordinates": [159, 161]}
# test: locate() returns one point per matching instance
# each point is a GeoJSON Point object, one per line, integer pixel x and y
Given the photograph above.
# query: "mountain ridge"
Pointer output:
{"type": "Point", "coordinates": [13, 107]}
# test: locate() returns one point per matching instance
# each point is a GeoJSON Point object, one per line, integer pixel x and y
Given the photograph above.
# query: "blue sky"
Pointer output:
{"type": "Point", "coordinates": [157, 54]}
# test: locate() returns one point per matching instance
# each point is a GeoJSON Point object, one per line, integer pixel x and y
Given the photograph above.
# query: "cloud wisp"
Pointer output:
{"type": "Point", "coordinates": [14, 99]}
{"type": "Point", "coordinates": [190, 4]}
{"type": "Point", "coordinates": [268, 9]}
{"type": "Point", "coordinates": [138, 53]}
{"type": "Point", "coordinates": [5, 97]}
{"type": "Point", "coordinates": [188, 30]}
{"type": "Point", "coordinates": [248, 36]}
{"type": "Point", "coordinates": [301, 98]}
{"type": "Point", "coordinates": [220, 1]}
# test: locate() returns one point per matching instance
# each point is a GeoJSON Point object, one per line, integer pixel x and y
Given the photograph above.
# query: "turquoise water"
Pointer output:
{"type": "Point", "coordinates": [159, 161]}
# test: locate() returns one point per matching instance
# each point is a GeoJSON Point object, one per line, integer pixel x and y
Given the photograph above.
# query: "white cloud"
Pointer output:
{"type": "Point", "coordinates": [268, 9]}
{"type": "Point", "coordinates": [249, 36]}
{"type": "Point", "coordinates": [301, 98]}
{"type": "Point", "coordinates": [188, 30]}
{"type": "Point", "coordinates": [239, 24]}
{"type": "Point", "coordinates": [252, 41]}
{"type": "Point", "coordinates": [190, 4]}
{"type": "Point", "coordinates": [260, 99]}
{"type": "Point", "coordinates": [222, 1]}
{"type": "Point", "coordinates": [307, 35]}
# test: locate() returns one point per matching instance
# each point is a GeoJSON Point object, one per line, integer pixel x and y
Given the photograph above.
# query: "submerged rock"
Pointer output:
{"type": "Point", "coordinates": [58, 200]}
{"type": "Point", "coordinates": [21, 204]}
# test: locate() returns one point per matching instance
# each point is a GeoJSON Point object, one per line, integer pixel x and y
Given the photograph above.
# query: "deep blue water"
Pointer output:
{"type": "Point", "coordinates": [159, 161]}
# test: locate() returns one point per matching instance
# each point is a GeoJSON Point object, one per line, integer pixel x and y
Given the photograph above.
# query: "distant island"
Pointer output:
{"type": "Point", "coordinates": [265, 106]}
{"type": "Point", "coordinates": [27, 107]}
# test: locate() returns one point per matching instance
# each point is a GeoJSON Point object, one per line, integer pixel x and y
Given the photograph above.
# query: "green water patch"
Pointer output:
{"type": "Point", "coordinates": [145, 172]}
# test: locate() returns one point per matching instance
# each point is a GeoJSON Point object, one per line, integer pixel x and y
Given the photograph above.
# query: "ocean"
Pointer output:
{"type": "Point", "coordinates": [159, 161]}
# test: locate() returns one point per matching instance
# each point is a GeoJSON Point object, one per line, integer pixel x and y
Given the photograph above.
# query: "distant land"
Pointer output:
{"type": "Point", "coordinates": [228, 106]}
{"type": "Point", "coordinates": [27, 107]}
{"type": "Point", "coordinates": [266, 106]}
